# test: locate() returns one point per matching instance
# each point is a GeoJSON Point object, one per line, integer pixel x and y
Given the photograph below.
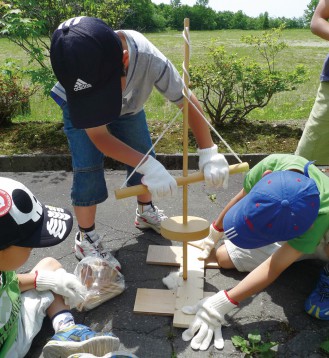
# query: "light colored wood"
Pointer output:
{"type": "Point", "coordinates": [184, 266]}
{"type": "Point", "coordinates": [164, 255]}
{"type": "Point", "coordinates": [174, 229]}
{"type": "Point", "coordinates": [157, 302]}
{"type": "Point", "coordinates": [190, 179]}
{"type": "Point", "coordinates": [173, 256]}
{"type": "Point", "coordinates": [191, 290]}
{"type": "Point", "coordinates": [151, 301]}
{"type": "Point", "coordinates": [185, 130]}
{"type": "Point", "coordinates": [180, 228]}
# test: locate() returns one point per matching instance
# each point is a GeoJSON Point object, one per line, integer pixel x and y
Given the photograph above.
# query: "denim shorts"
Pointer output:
{"type": "Point", "coordinates": [89, 186]}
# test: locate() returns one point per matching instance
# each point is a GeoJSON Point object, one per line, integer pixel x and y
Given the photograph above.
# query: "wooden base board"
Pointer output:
{"type": "Point", "coordinates": [158, 302]}
{"type": "Point", "coordinates": [189, 292]}
{"type": "Point", "coordinates": [173, 256]}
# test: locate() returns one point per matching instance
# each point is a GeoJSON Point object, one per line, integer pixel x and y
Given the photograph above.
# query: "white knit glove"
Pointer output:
{"type": "Point", "coordinates": [207, 244]}
{"type": "Point", "coordinates": [209, 316]}
{"type": "Point", "coordinates": [63, 283]}
{"type": "Point", "coordinates": [214, 167]}
{"type": "Point", "coordinates": [158, 181]}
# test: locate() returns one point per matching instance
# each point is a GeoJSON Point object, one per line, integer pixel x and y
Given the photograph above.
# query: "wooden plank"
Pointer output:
{"type": "Point", "coordinates": [191, 290]}
{"type": "Point", "coordinates": [151, 301]}
{"type": "Point", "coordinates": [173, 256]}
{"type": "Point", "coordinates": [157, 302]}
{"type": "Point", "coordinates": [165, 255]}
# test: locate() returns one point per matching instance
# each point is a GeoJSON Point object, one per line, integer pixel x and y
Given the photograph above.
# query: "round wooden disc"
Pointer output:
{"type": "Point", "coordinates": [195, 229]}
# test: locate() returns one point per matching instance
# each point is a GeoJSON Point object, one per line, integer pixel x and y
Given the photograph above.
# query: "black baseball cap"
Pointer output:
{"type": "Point", "coordinates": [86, 56]}
{"type": "Point", "coordinates": [25, 222]}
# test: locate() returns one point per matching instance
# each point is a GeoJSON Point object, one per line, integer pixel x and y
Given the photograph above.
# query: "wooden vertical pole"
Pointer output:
{"type": "Point", "coordinates": [185, 134]}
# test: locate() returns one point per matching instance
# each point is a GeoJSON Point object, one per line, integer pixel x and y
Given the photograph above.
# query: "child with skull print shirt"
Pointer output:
{"type": "Point", "coordinates": [25, 299]}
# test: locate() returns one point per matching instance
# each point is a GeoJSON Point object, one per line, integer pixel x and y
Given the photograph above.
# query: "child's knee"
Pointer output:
{"type": "Point", "coordinates": [47, 264]}
{"type": "Point", "coordinates": [223, 258]}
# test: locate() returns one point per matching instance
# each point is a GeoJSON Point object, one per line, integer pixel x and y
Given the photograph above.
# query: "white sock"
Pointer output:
{"type": "Point", "coordinates": [62, 320]}
{"type": "Point", "coordinates": [143, 207]}
{"type": "Point", "coordinates": [91, 234]}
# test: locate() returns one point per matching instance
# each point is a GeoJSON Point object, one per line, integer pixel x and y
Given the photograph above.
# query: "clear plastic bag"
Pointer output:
{"type": "Point", "coordinates": [102, 280]}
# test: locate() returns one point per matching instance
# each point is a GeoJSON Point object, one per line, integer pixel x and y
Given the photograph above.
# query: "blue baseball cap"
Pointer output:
{"type": "Point", "coordinates": [281, 206]}
{"type": "Point", "coordinates": [86, 57]}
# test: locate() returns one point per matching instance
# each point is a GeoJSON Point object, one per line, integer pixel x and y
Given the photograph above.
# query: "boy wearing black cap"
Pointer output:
{"type": "Point", "coordinates": [105, 78]}
{"type": "Point", "coordinates": [281, 214]}
{"type": "Point", "coordinates": [25, 299]}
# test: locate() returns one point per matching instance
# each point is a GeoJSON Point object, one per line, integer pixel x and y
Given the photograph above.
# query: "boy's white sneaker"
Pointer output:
{"type": "Point", "coordinates": [87, 247]}
{"type": "Point", "coordinates": [150, 219]}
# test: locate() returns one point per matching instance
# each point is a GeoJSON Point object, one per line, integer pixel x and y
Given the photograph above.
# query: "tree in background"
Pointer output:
{"type": "Point", "coordinates": [202, 17]}
{"type": "Point", "coordinates": [265, 21]}
{"type": "Point", "coordinates": [308, 13]}
{"type": "Point", "coordinates": [230, 87]}
{"type": "Point", "coordinates": [224, 20]}
{"type": "Point", "coordinates": [144, 17]}
{"type": "Point", "coordinates": [30, 24]}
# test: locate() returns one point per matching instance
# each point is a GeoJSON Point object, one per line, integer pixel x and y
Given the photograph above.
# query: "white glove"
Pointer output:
{"type": "Point", "coordinates": [63, 283]}
{"type": "Point", "coordinates": [158, 181]}
{"type": "Point", "coordinates": [208, 321]}
{"type": "Point", "coordinates": [207, 244]}
{"type": "Point", "coordinates": [214, 167]}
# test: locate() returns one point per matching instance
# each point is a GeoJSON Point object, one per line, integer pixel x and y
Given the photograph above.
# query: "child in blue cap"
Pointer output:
{"type": "Point", "coordinates": [279, 217]}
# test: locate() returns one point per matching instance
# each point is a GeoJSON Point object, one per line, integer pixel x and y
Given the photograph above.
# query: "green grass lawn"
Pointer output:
{"type": "Point", "coordinates": [304, 48]}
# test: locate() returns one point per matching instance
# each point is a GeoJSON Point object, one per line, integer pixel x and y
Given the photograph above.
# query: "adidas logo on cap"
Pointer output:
{"type": "Point", "coordinates": [81, 85]}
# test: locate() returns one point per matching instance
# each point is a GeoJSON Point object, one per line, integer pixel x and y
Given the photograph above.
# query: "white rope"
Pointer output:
{"type": "Point", "coordinates": [214, 130]}
{"type": "Point", "coordinates": [149, 151]}
{"type": "Point", "coordinates": [187, 94]}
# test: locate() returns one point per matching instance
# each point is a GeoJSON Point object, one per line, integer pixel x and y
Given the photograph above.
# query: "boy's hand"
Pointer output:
{"type": "Point", "coordinates": [207, 244]}
{"type": "Point", "coordinates": [63, 283]}
{"type": "Point", "coordinates": [158, 181]}
{"type": "Point", "coordinates": [214, 167]}
{"type": "Point", "coordinates": [209, 316]}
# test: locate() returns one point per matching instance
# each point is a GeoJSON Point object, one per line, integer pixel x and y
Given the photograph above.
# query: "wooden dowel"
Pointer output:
{"type": "Point", "coordinates": [190, 179]}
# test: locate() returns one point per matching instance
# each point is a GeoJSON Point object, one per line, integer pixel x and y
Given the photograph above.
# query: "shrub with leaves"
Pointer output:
{"type": "Point", "coordinates": [231, 87]}
{"type": "Point", "coordinates": [9, 98]}
{"type": "Point", "coordinates": [15, 92]}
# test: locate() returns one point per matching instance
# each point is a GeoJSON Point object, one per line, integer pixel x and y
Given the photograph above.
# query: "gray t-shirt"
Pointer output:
{"type": "Point", "coordinates": [148, 68]}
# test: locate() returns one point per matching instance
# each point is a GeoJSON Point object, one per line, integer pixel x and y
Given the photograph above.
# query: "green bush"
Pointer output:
{"type": "Point", "coordinates": [15, 93]}
{"type": "Point", "coordinates": [9, 98]}
{"type": "Point", "coordinates": [230, 87]}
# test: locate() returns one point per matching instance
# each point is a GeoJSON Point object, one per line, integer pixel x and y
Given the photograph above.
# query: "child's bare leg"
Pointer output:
{"type": "Point", "coordinates": [223, 258]}
{"type": "Point", "coordinates": [47, 264]}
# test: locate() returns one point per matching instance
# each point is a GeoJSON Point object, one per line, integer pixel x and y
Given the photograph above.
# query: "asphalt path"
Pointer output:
{"type": "Point", "coordinates": [277, 313]}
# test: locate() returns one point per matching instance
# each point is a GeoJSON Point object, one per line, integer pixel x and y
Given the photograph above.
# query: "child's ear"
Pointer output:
{"type": "Point", "coordinates": [266, 172]}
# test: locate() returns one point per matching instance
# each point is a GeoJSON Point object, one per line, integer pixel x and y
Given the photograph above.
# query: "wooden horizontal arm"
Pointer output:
{"type": "Point", "coordinates": [191, 178]}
